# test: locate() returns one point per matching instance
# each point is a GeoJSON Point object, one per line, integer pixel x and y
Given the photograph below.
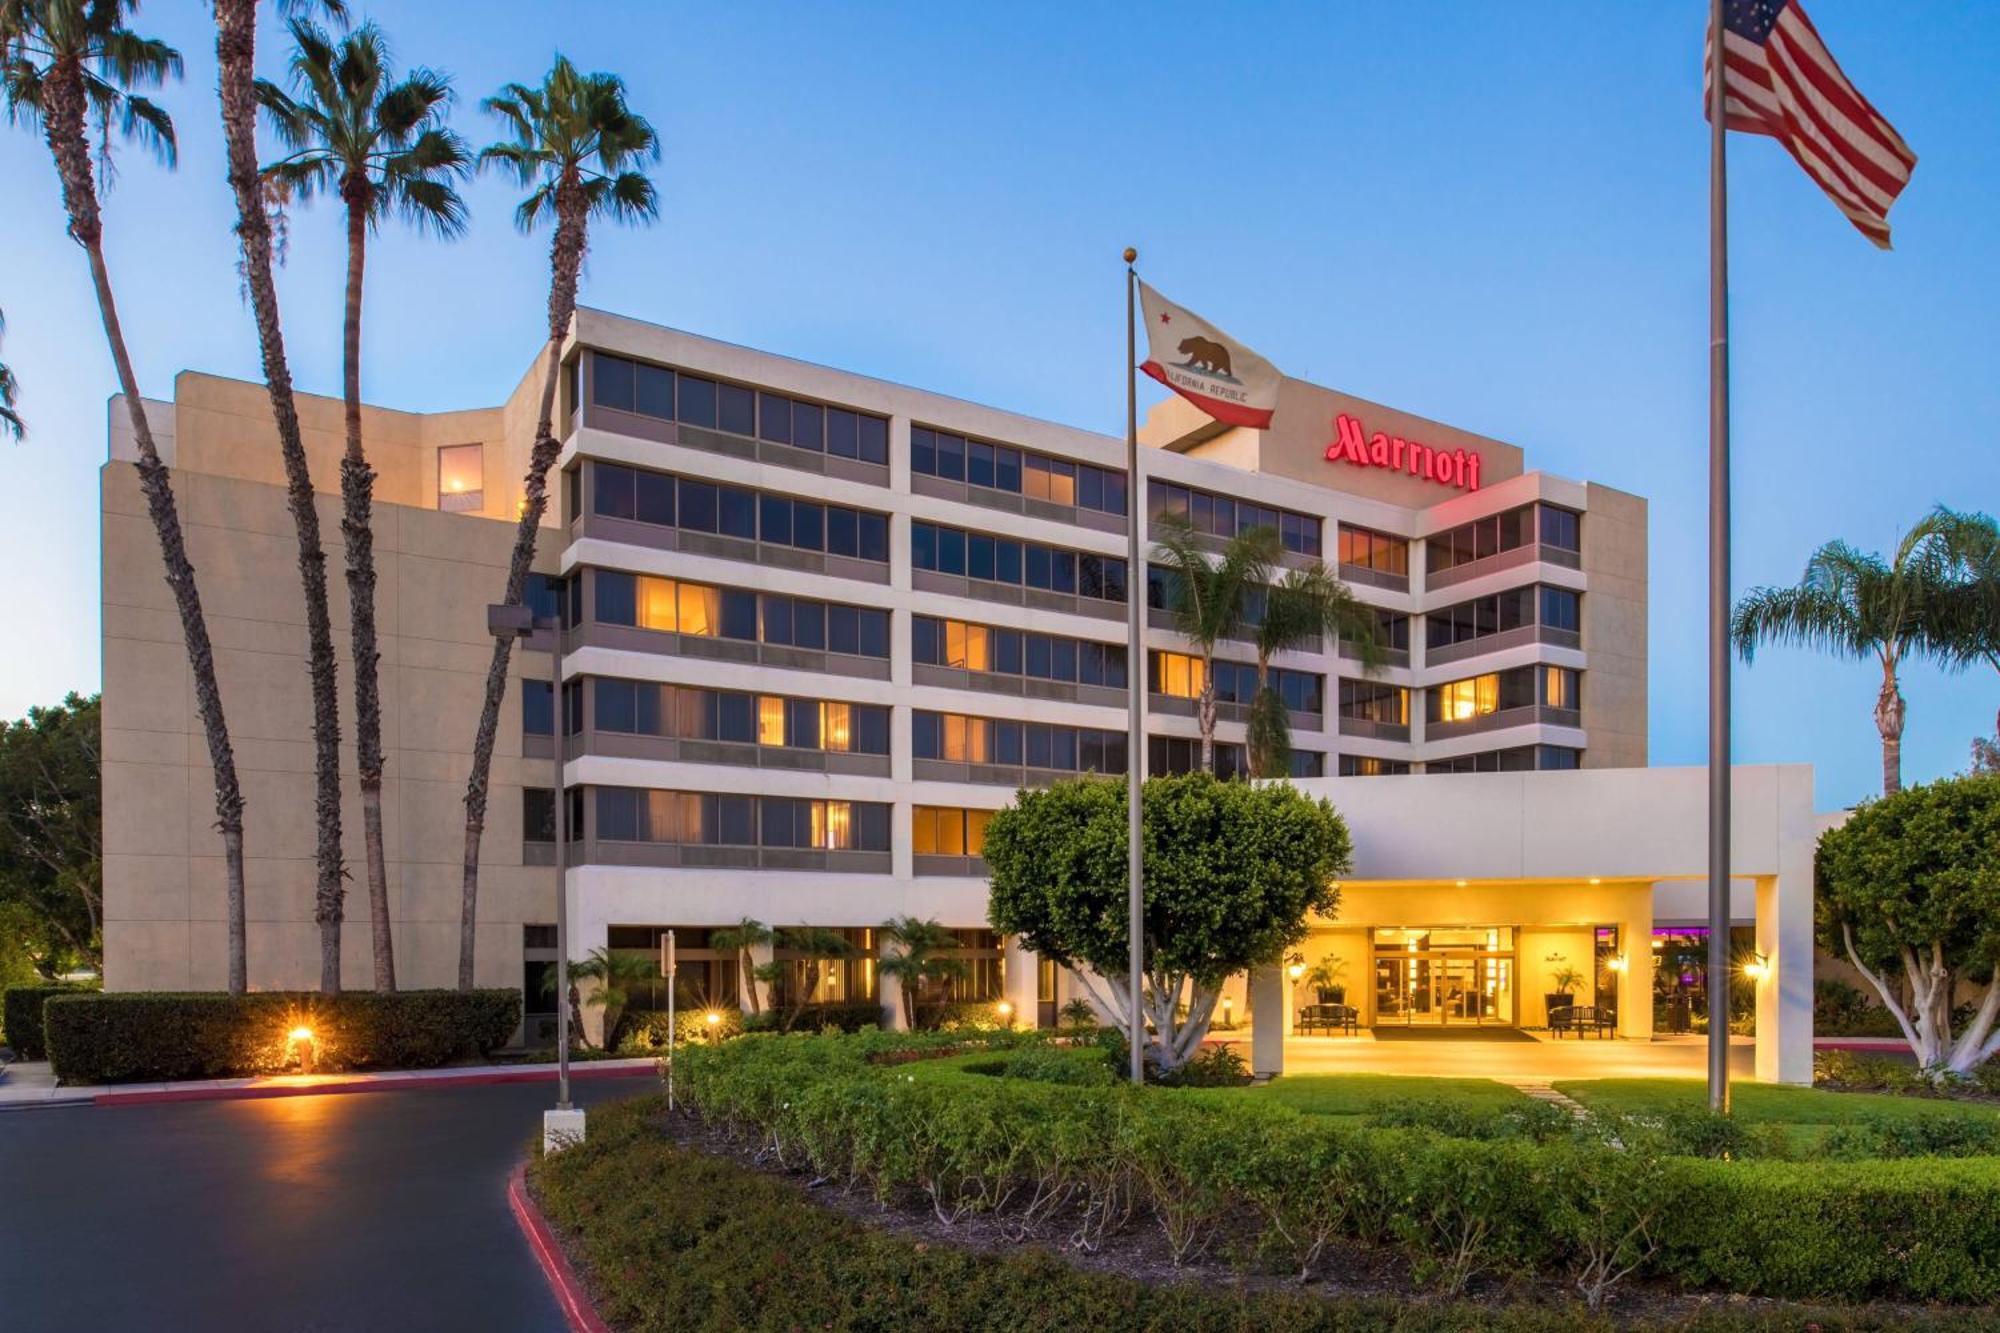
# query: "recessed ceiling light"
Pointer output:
{"type": "Point", "coordinates": [1461, 884]}
{"type": "Point", "coordinates": [1595, 880]}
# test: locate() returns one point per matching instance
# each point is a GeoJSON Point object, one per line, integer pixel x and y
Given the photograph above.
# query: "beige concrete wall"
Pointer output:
{"type": "Point", "coordinates": [164, 892]}
{"type": "Point", "coordinates": [1614, 629]}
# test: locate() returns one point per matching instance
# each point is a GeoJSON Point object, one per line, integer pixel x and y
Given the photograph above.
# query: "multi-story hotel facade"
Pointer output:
{"type": "Point", "coordinates": [817, 627]}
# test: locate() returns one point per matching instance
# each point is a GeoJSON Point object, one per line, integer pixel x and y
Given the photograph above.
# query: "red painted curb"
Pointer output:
{"type": "Point", "coordinates": [577, 1309]}
{"type": "Point", "coordinates": [258, 1093]}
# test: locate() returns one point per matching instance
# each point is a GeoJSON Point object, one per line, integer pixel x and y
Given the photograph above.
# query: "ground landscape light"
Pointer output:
{"type": "Point", "coordinates": [300, 1045]}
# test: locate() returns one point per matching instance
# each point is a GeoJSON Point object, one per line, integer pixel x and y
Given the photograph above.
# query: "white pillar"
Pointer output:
{"type": "Point", "coordinates": [1267, 1037]}
{"type": "Point", "coordinates": [587, 931]}
{"type": "Point", "coordinates": [1020, 986]}
{"type": "Point", "coordinates": [1785, 992]}
{"type": "Point", "coordinates": [1635, 983]}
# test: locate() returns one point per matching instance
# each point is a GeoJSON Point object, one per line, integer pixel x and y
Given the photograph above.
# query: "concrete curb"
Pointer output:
{"type": "Point", "coordinates": [578, 1311]}
{"type": "Point", "coordinates": [364, 1083]}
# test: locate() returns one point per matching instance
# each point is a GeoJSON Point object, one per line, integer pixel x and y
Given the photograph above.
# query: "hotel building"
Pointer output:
{"type": "Point", "coordinates": [817, 627]}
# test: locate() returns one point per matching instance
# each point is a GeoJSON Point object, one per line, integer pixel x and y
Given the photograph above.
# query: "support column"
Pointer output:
{"type": "Point", "coordinates": [1019, 986]}
{"type": "Point", "coordinates": [1785, 991]}
{"type": "Point", "coordinates": [1635, 984]}
{"type": "Point", "coordinates": [586, 932]}
{"type": "Point", "coordinates": [889, 990]}
{"type": "Point", "coordinates": [1267, 1028]}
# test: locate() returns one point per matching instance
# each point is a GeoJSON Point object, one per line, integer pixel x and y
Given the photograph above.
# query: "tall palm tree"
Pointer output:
{"type": "Point", "coordinates": [67, 63]}
{"type": "Point", "coordinates": [921, 957]}
{"type": "Point", "coordinates": [236, 56]}
{"type": "Point", "coordinates": [381, 145]}
{"type": "Point", "coordinates": [1212, 597]}
{"type": "Point", "coordinates": [10, 391]}
{"type": "Point", "coordinates": [1854, 604]}
{"type": "Point", "coordinates": [1968, 628]}
{"type": "Point", "coordinates": [1300, 610]}
{"type": "Point", "coordinates": [743, 938]}
{"type": "Point", "coordinates": [575, 145]}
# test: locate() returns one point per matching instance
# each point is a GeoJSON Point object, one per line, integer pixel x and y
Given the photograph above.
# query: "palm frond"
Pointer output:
{"type": "Point", "coordinates": [431, 205]}
{"type": "Point", "coordinates": [1805, 616]}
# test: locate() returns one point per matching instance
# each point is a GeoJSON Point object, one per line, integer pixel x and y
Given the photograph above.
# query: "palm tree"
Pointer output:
{"type": "Point", "coordinates": [236, 54]}
{"type": "Point", "coordinates": [1967, 629]}
{"type": "Point", "coordinates": [814, 948]}
{"type": "Point", "coordinates": [1212, 599]}
{"type": "Point", "coordinates": [575, 143]}
{"type": "Point", "coordinates": [10, 389]}
{"type": "Point", "coordinates": [744, 938]}
{"type": "Point", "coordinates": [1853, 604]}
{"type": "Point", "coordinates": [617, 975]}
{"type": "Point", "coordinates": [921, 958]}
{"type": "Point", "coordinates": [382, 147]}
{"type": "Point", "coordinates": [1300, 611]}
{"type": "Point", "coordinates": [68, 63]}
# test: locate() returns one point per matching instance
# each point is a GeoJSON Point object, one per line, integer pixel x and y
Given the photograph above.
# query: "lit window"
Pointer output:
{"type": "Point", "coordinates": [833, 825]}
{"type": "Point", "coordinates": [770, 720]}
{"type": "Point", "coordinates": [656, 603]}
{"type": "Point", "coordinates": [836, 726]}
{"type": "Point", "coordinates": [964, 739]}
{"type": "Point", "coordinates": [1463, 699]}
{"type": "Point", "coordinates": [1180, 675]}
{"type": "Point", "coordinates": [461, 477]}
{"type": "Point", "coordinates": [1561, 686]}
{"type": "Point", "coordinates": [975, 831]}
{"type": "Point", "coordinates": [967, 646]}
{"type": "Point", "coordinates": [700, 608]}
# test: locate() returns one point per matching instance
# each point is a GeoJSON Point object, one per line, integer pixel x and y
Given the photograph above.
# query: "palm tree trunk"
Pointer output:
{"type": "Point", "coordinates": [357, 495]}
{"type": "Point", "coordinates": [64, 119]}
{"type": "Point", "coordinates": [1889, 722]}
{"type": "Point", "coordinates": [236, 50]}
{"type": "Point", "coordinates": [1205, 712]}
{"type": "Point", "coordinates": [565, 263]}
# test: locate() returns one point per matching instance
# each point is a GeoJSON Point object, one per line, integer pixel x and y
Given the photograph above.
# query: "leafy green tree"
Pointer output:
{"type": "Point", "coordinates": [1852, 603]}
{"type": "Point", "coordinates": [744, 938]}
{"type": "Point", "coordinates": [380, 144]}
{"type": "Point", "coordinates": [51, 836]}
{"type": "Point", "coordinates": [921, 959]}
{"type": "Point", "coordinates": [1301, 610]}
{"type": "Point", "coordinates": [575, 145]}
{"type": "Point", "coordinates": [236, 81]}
{"type": "Point", "coordinates": [10, 393]}
{"type": "Point", "coordinates": [69, 66]}
{"type": "Point", "coordinates": [1232, 872]}
{"type": "Point", "coordinates": [1909, 890]}
{"type": "Point", "coordinates": [1212, 597]}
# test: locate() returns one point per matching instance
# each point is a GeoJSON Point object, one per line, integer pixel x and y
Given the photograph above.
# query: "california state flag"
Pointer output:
{"type": "Point", "coordinates": [1206, 366]}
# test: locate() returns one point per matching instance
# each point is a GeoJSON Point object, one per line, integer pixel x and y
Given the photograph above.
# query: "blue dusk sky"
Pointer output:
{"type": "Point", "coordinates": [1491, 215]}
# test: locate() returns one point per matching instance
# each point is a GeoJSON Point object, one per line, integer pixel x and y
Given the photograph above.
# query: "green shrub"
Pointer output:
{"type": "Point", "coordinates": [1045, 1062]}
{"type": "Point", "coordinates": [1509, 1193]}
{"type": "Point", "coordinates": [124, 1035]}
{"type": "Point", "coordinates": [1858, 1072]}
{"type": "Point", "coordinates": [21, 1017]}
{"type": "Point", "coordinates": [1539, 1121]}
{"type": "Point", "coordinates": [1915, 1136]}
{"type": "Point", "coordinates": [847, 1016]}
{"type": "Point", "coordinates": [1213, 1066]}
{"type": "Point", "coordinates": [646, 1031]}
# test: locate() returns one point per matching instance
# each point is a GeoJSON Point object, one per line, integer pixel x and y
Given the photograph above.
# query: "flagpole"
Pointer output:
{"type": "Point", "coordinates": [1718, 573]}
{"type": "Point", "coordinates": [1135, 677]}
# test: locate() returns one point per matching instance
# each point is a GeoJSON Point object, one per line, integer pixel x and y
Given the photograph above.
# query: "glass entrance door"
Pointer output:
{"type": "Point", "coordinates": [1444, 975]}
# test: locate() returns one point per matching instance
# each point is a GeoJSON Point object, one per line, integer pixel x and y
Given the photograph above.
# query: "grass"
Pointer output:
{"type": "Point", "coordinates": [1359, 1094]}
{"type": "Point", "coordinates": [1762, 1103]}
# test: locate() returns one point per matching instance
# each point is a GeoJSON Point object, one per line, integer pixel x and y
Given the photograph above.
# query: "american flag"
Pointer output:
{"type": "Point", "coordinates": [1779, 79]}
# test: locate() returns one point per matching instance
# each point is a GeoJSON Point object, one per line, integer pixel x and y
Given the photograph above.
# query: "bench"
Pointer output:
{"type": "Point", "coordinates": [1327, 1018]}
{"type": "Point", "coordinates": [1582, 1018]}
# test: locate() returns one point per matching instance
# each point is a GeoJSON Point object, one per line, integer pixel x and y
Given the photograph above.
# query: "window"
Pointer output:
{"type": "Point", "coordinates": [667, 395]}
{"type": "Point", "coordinates": [1561, 528]}
{"type": "Point", "coordinates": [1364, 548]}
{"type": "Point", "coordinates": [945, 551]}
{"type": "Point", "coordinates": [698, 506]}
{"type": "Point", "coordinates": [1222, 516]}
{"type": "Point", "coordinates": [954, 738]}
{"type": "Point", "coordinates": [1177, 675]}
{"type": "Point", "coordinates": [955, 643]}
{"type": "Point", "coordinates": [1561, 687]}
{"type": "Point", "coordinates": [1462, 700]}
{"type": "Point", "coordinates": [1561, 609]}
{"type": "Point", "coordinates": [538, 708]}
{"type": "Point", "coordinates": [651, 602]}
{"type": "Point", "coordinates": [629, 814]}
{"type": "Point", "coordinates": [1505, 532]}
{"type": "Point", "coordinates": [461, 472]}
{"type": "Point", "coordinates": [538, 814]}
{"type": "Point", "coordinates": [953, 457]}
{"type": "Point", "coordinates": [1373, 701]}
{"type": "Point", "coordinates": [1308, 764]}
{"type": "Point", "coordinates": [1517, 759]}
{"type": "Point", "coordinates": [1182, 754]}
{"type": "Point", "coordinates": [1368, 766]}
{"type": "Point", "coordinates": [938, 830]}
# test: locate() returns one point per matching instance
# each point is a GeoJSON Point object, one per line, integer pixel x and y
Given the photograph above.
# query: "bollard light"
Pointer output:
{"type": "Point", "coordinates": [300, 1045]}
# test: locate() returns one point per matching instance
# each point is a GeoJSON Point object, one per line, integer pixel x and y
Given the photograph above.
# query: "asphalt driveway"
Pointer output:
{"type": "Point", "coordinates": [379, 1211]}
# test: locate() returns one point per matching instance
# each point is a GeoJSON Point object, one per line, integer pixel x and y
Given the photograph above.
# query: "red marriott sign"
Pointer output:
{"type": "Point", "coordinates": [1447, 467]}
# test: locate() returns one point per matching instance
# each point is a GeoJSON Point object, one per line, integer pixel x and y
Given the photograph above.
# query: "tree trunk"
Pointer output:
{"type": "Point", "coordinates": [1889, 722]}
{"type": "Point", "coordinates": [1205, 712]}
{"type": "Point", "coordinates": [64, 119]}
{"type": "Point", "coordinates": [236, 50]}
{"type": "Point", "coordinates": [357, 494]}
{"type": "Point", "coordinates": [565, 262]}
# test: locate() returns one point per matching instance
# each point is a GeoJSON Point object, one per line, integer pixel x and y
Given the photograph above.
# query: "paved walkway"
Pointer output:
{"type": "Point", "coordinates": [31, 1085]}
{"type": "Point", "coordinates": [1542, 1061]}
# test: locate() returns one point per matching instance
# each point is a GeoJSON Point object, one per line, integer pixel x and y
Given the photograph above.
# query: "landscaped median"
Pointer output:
{"type": "Point", "coordinates": [1462, 1194]}
{"type": "Point", "coordinates": [122, 1036]}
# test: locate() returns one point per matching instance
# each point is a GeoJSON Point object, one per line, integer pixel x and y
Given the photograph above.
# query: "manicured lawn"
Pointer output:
{"type": "Point", "coordinates": [1359, 1094]}
{"type": "Point", "coordinates": [1759, 1103]}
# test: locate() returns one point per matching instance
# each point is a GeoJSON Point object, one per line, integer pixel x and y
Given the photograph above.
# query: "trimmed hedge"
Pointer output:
{"type": "Point", "coordinates": [671, 1239]}
{"type": "Point", "coordinates": [848, 1016]}
{"type": "Point", "coordinates": [21, 1016]}
{"type": "Point", "coordinates": [1593, 1202]}
{"type": "Point", "coordinates": [158, 1035]}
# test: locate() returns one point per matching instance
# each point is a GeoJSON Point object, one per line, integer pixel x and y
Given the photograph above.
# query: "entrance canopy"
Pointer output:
{"type": "Point", "coordinates": [1497, 898]}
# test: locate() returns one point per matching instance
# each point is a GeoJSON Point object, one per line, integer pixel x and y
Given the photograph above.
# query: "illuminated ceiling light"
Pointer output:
{"type": "Point", "coordinates": [1595, 880]}
{"type": "Point", "coordinates": [1461, 884]}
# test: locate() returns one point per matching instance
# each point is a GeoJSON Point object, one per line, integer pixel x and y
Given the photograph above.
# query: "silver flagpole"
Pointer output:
{"type": "Point", "coordinates": [1135, 673]}
{"type": "Point", "coordinates": [1718, 573]}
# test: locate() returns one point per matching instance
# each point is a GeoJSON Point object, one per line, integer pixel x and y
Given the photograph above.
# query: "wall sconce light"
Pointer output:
{"type": "Point", "coordinates": [1757, 968]}
{"type": "Point", "coordinates": [1295, 971]}
{"type": "Point", "coordinates": [1616, 964]}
